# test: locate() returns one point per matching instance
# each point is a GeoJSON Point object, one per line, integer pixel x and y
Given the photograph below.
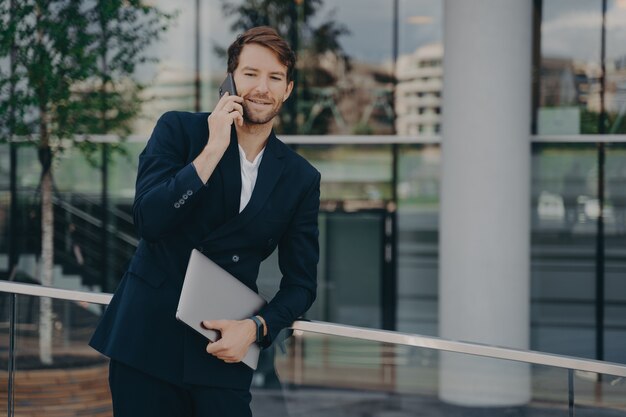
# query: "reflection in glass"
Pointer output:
{"type": "Point", "coordinates": [75, 382]}
{"type": "Point", "coordinates": [615, 248]}
{"type": "Point", "coordinates": [78, 219]}
{"type": "Point", "coordinates": [7, 341]}
{"type": "Point", "coordinates": [329, 375]}
{"type": "Point", "coordinates": [571, 68]}
{"type": "Point", "coordinates": [563, 249]}
{"type": "Point", "coordinates": [592, 389]}
{"type": "Point", "coordinates": [564, 238]}
{"type": "Point", "coordinates": [354, 94]}
{"type": "Point", "coordinates": [615, 62]}
{"type": "Point", "coordinates": [418, 91]}
{"type": "Point", "coordinates": [418, 238]}
{"type": "Point", "coordinates": [358, 172]}
{"type": "Point", "coordinates": [419, 69]}
{"type": "Point", "coordinates": [5, 207]}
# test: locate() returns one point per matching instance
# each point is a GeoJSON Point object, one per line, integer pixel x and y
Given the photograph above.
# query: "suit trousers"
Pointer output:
{"type": "Point", "coordinates": [135, 393]}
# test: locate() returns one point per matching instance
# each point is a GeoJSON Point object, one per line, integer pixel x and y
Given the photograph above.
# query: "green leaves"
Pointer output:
{"type": "Point", "coordinates": [71, 66]}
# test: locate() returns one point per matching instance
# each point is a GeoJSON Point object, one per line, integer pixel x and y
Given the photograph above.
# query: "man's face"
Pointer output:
{"type": "Point", "coordinates": [261, 81]}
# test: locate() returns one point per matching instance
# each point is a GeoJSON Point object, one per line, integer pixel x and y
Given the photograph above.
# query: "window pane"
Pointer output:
{"type": "Point", "coordinates": [419, 69]}
{"type": "Point", "coordinates": [571, 68]}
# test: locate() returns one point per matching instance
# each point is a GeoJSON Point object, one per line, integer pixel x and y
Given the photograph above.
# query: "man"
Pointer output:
{"type": "Point", "coordinates": [232, 190]}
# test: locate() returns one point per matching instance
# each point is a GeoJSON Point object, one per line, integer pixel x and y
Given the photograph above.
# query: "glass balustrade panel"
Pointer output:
{"type": "Point", "coordinates": [56, 372]}
{"type": "Point", "coordinates": [599, 395]}
{"type": "Point", "coordinates": [339, 376]}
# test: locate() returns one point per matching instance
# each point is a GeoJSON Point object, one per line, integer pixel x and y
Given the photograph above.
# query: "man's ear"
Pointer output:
{"type": "Point", "coordinates": [289, 90]}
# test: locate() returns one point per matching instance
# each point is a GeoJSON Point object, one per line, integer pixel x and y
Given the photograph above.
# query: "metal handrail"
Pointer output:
{"type": "Point", "coordinates": [469, 348]}
{"type": "Point", "coordinates": [383, 336]}
{"type": "Point", "coordinates": [360, 139]}
{"type": "Point", "coordinates": [58, 293]}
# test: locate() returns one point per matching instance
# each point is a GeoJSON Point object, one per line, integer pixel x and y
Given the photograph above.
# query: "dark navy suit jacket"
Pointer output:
{"type": "Point", "coordinates": [175, 212]}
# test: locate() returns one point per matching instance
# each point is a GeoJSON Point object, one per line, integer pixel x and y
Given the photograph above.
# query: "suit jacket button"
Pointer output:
{"type": "Point", "coordinates": [176, 205]}
{"type": "Point", "coordinates": [181, 201]}
{"type": "Point", "coordinates": [185, 196]}
{"type": "Point", "coordinates": [189, 192]}
{"type": "Point", "coordinates": [235, 258]}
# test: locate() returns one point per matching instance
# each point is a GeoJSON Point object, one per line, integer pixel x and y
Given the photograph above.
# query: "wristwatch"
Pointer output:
{"type": "Point", "coordinates": [259, 329]}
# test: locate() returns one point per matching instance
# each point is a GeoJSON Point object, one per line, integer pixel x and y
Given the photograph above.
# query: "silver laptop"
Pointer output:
{"type": "Point", "coordinates": [211, 293]}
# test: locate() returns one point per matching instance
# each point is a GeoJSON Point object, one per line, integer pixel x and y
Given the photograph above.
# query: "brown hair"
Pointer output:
{"type": "Point", "coordinates": [268, 38]}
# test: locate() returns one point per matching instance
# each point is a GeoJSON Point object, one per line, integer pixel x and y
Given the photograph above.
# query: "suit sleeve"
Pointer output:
{"type": "Point", "coordinates": [167, 185]}
{"type": "Point", "coordinates": [298, 255]}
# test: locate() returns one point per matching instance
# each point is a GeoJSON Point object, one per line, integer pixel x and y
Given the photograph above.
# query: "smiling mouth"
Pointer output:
{"type": "Point", "coordinates": [259, 102]}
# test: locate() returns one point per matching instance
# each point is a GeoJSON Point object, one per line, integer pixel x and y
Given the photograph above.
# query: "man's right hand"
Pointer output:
{"type": "Point", "coordinates": [227, 111]}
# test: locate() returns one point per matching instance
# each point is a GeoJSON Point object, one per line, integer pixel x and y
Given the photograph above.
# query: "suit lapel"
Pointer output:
{"type": "Point", "coordinates": [271, 168]}
{"type": "Point", "coordinates": [269, 172]}
{"type": "Point", "coordinates": [230, 170]}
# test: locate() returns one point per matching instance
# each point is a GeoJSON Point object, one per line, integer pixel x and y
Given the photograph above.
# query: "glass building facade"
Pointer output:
{"type": "Point", "coordinates": [368, 113]}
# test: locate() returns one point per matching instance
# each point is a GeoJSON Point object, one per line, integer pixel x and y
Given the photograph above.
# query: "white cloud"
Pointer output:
{"type": "Point", "coordinates": [577, 34]}
{"type": "Point", "coordinates": [578, 20]}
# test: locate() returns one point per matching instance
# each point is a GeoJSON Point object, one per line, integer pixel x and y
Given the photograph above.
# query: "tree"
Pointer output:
{"type": "Point", "coordinates": [123, 29]}
{"type": "Point", "coordinates": [67, 58]}
{"type": "Point", "coordinates": [293, 19]}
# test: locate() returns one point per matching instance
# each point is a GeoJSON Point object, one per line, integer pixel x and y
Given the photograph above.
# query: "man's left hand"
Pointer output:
{"type": "Point", "coordinates": [236, 338]}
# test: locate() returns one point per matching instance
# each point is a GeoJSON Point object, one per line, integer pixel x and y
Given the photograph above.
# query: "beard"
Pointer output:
{"type": "Point", "coordinates": [256, 117]}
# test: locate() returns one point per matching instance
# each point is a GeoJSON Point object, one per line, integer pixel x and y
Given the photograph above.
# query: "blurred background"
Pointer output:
{"type": "Point", "coordinates": [365, 68]}
{"type": "Point", "coordinates": [367, 112]}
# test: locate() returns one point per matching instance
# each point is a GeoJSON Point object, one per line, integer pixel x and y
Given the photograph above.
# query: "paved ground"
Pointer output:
{"type": "Point", "coordinates": [334, 403]}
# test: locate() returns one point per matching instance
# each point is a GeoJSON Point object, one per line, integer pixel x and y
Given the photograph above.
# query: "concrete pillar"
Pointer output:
{"type": "Point", "coordinates": [485, 197]}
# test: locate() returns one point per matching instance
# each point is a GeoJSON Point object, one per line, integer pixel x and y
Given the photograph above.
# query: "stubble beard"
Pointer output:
{"type": "Point", "coordinates": [250, 118]}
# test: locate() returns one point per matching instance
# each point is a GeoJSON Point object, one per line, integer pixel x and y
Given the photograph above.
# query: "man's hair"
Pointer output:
{"type": "Point", "coordinates": [268, 38]}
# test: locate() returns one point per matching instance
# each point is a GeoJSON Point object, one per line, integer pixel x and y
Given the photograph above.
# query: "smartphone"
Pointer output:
{"type": "Point", "coordinates": [228, 85]}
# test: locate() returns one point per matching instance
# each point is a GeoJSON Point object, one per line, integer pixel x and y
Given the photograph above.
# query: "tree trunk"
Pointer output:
{"type": "Point", "coordinates": [47, 215]}
{"type": "Point", "coordinates": [47, 241]}
{"type": "Point", "coordinates": [47, 268]}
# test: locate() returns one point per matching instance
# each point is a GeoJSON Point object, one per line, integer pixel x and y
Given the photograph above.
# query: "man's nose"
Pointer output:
{"type": "Point", "coordinates": [262, 86]}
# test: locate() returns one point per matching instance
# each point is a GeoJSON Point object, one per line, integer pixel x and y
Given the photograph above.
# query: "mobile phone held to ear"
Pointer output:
{"type": "Point", "coordinates": [228, 85]}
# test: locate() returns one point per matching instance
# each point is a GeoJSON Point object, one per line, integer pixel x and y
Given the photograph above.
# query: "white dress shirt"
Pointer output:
{"type": "Point", "coordinates": [249, 172]}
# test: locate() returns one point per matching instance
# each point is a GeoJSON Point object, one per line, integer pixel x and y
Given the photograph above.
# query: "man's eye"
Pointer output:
{"type": "Point", "coordinates": [249, 74]}
{"type": "Point", "coordinates": [276, 78]}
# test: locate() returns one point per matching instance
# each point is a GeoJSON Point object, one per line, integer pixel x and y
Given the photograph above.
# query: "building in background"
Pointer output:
{"type": "Point", "coordinates": [418, 91]}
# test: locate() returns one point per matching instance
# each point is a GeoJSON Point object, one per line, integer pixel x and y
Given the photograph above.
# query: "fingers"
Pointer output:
{"type": "Point", "coordinates": [238, 117]}
{"type": "Point", "coordinates": [218, 350]}
{"type": "Point", "coordinates": [232, 107]}
{"type": "Point", "coordinates": [215, 324]}
{"type": "Point", "coordinates": [228, 109]}
{"type": "Point", "coordinates": [231, 347]}
{"type": "Point", "coordinates": [227, 102]}
{"type": "Point", "coordinates": [214, 347]}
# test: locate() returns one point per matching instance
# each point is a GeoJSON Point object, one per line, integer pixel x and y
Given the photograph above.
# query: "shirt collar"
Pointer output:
{"type": "Point", "coordinates": [244, 160]}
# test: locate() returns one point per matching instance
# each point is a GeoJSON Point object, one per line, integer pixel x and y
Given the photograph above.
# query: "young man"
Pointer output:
{"type": "Point", "coordinates": [229, 188]}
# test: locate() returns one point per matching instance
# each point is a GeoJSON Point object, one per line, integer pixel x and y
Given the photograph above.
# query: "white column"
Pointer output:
{"type": "Point", "coordinates": [485, 197]}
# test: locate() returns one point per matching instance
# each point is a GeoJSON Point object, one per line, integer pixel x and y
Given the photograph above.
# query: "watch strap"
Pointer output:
{"type": "Point", "coordinates": [259, 328]}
